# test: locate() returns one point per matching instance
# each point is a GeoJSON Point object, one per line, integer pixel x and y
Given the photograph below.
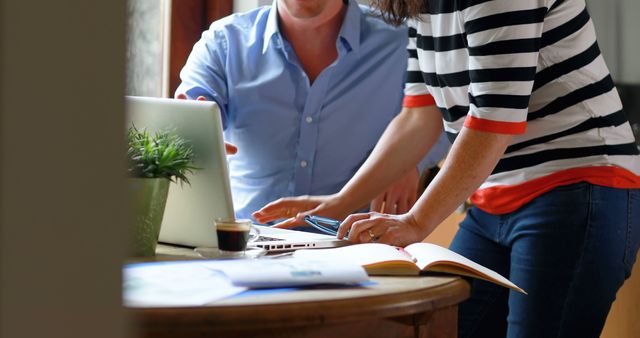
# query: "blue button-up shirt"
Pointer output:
{"type": "Point", "coordinates": [294, 137]}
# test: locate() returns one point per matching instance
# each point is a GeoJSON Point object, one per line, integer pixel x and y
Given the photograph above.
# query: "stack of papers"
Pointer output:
{"type": "Point", "coordinates": [196, 283]}
{"type": "Point", "coordinates": [171, 284]}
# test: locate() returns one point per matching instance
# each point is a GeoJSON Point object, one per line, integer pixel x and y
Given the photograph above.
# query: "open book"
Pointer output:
{"type": "Point", "coordinates": [383, 259]}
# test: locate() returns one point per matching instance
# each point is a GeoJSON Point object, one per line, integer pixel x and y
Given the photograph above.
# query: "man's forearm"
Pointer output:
{"type": "Point", "coordinates": [404, 143]}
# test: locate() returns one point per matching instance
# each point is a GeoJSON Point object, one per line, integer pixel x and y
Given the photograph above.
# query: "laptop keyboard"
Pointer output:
{"type": "Point", "coordinates": [263, 238]}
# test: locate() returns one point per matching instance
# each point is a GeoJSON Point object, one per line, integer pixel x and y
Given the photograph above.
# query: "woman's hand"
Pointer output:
{"type": "Point", "coordinates": [399, 230]}
{"type": "Point", "coordinates": [399, 198]}
{"type": "Point", "coordinates": [294, 209]}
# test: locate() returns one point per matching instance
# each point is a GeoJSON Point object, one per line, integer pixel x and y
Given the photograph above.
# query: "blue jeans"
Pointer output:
{"type": "Point", "coordinates": [571, 249]}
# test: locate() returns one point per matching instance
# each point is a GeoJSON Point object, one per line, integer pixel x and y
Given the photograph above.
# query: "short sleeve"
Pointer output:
{"type": "Point", "coordinates": [204, 73]}
{"type": "Point", "coordinates": [416, 93]}
{"type": "Point", "coordinates": [504, 39]}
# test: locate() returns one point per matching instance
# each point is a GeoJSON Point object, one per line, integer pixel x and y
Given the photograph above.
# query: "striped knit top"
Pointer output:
{"type": "Point", "coordinates": [533, 69]}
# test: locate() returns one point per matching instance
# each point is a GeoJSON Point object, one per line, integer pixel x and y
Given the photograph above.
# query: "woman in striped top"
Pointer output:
{"type": "Point", "coordinates": [542, 146]}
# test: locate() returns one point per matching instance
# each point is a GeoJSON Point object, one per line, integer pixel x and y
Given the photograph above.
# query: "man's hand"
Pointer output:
{"type": "Point", "coordinates": [400, 196]}
{"type": "Point", "coordinates": [229, 147]}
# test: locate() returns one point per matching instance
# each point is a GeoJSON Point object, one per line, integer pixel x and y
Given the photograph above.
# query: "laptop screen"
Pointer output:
{"type": "Point", "coordinates": [191, 209]}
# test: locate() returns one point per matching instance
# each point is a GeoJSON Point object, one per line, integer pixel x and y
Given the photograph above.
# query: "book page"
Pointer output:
{"type": "Point", "coordinates": [367, 255]}
{"type": "Point", "coordinates": [431, 257]}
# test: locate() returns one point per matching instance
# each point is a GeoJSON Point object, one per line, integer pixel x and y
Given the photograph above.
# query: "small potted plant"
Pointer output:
{"type": "Point", "coordinates": [154, 161]}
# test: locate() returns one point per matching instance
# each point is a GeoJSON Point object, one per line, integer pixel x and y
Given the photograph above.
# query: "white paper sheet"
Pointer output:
{"type": "Point", "coordinates": [195, 283]}
{"type": "Point", "coordinates": [283, 272]}
{"type": "Point", "coordinates": [174, 284]}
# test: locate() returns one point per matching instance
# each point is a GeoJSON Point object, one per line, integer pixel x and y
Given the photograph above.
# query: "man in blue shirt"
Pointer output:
{"type": "Point", "coordinates": [306, 88]}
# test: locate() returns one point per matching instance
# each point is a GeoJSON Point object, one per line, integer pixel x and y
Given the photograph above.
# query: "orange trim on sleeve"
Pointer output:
{"type": "Point", "coordinates": [499, 127]}
{"type": "Point", "coordinates": [503, 199]}
{"type": "Point", "coordinates": [418, 101]}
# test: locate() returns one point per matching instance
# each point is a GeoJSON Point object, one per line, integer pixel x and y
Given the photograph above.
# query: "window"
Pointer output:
{"type": "Point", "coordinates": [189, 18]}
{"type": "Point", "coordinates": [160, 37]}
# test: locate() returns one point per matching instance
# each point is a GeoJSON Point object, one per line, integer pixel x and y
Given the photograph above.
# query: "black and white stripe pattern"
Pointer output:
{"type": "Point", "coordinates": [509, 62]}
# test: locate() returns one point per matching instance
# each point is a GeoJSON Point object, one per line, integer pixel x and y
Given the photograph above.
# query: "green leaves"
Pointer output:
{"type": "Point", "coordinates": [163, 154]}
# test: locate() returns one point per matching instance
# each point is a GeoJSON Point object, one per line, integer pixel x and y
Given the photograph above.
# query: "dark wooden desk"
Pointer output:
{"type": "Point", "coordinates": [393, 307]}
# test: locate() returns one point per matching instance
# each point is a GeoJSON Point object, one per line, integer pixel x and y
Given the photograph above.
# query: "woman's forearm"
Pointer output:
{"type": "Point", "coordinates": [471, 160]}
{"type": "Point", "coordinates": [403, 144]}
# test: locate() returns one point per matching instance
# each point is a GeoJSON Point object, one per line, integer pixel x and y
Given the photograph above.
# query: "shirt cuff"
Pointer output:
{"type": "Point", "coordinates": [424, 100]}
{"type": "Point", "coordinates": [498, 127]}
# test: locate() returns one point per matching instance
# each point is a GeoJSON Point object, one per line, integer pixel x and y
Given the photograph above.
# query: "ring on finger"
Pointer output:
{"type": "Point", "coordinates": [372, 236]}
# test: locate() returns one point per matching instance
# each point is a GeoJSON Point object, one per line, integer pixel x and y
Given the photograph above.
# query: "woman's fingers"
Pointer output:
{"type": "Point", "coordinates": [367, 230]}
{"type": "Point", "coordinates": [290, 223]}
{"type": "Point", "coordinates": [347, 224]}
{"type": "Point", "coordinates": [374, 227]}
{"type": "Point", "coordinates": [272, 211]}
{"type": "Point", "coordinates": [284, 208]}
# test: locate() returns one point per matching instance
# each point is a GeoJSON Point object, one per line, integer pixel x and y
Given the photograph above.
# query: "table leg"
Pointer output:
{"type": "Point", "coordinates": [442, 323]}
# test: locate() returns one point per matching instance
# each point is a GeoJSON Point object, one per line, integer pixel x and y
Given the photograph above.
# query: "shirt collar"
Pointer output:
{"type": "Point", "coordinates": [350, 30]}
{"type": "Point", "coordinates": [272, 26]}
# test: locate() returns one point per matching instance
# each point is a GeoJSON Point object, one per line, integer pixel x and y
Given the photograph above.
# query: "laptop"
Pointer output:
{"type": "Point", "coordinates": [191, 209]}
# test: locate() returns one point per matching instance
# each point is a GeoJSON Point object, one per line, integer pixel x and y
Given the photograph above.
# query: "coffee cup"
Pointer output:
{"type": "Point", "coordinates": [234, 234]}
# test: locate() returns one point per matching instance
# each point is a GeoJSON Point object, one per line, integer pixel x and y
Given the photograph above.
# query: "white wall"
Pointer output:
{"type": "Point", "coordinates": [630, 41]}
{"type": "Point", "coordinates": [618, 27]}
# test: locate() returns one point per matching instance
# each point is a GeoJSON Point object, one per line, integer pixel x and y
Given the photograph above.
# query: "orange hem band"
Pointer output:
{"type": "Point", "coordinates": [499, 127]}
{"type": "Point", "coordinates": [503, 199]}
{"type": "Point", "coordinates": [418, 101]}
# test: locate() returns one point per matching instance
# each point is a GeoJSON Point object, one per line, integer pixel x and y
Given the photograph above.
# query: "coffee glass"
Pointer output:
{"type": "Point", "coordinates": [234, 234]}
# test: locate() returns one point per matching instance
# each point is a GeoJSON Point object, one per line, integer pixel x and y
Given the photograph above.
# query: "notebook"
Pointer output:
{"type": "Point", "coordinates": [192, 209]}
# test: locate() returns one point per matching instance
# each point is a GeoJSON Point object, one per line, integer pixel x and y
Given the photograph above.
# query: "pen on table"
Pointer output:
{"type": "Point", "coordinates": [401, 249]}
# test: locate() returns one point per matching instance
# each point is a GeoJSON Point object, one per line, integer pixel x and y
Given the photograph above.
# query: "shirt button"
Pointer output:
{"type": "Point", "coordinates": [309, 119]}
{"type": "Point", "coordinates": [303, 163]}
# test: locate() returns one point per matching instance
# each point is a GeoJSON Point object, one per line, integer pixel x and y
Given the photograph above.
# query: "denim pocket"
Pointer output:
{"type": "Point", "coordinates": [633, 230]}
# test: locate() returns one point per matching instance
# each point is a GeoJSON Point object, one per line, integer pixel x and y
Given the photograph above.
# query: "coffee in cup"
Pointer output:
{"type": "Point", "coordinates": [233, 235]}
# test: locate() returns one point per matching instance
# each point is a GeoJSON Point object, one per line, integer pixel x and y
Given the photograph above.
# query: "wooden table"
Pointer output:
{"type": "Point", "coordinates": [390, 307]}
